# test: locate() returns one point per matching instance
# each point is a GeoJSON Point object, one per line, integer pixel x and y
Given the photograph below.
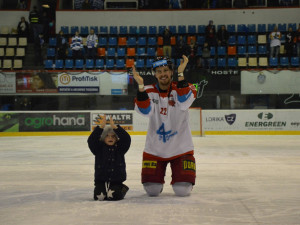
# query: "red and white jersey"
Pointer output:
{"type": "Point", "coordinates": [169, 133]}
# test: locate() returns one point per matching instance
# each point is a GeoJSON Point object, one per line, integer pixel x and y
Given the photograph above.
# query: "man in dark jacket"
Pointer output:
{"type": "Point", "coordinates": [109, 145]}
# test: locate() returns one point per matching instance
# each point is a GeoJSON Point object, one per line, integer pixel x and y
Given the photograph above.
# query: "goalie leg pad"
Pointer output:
{"type": "Point", "coordinates": [182, 189]}
{"type": "Point", "coordinates": [153, 189]}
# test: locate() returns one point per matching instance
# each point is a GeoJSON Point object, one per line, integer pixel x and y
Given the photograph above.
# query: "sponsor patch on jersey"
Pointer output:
{"type": "Point", "coordinates": [189, 165]}
{"type": "Point", "coordinates": [149, 164]}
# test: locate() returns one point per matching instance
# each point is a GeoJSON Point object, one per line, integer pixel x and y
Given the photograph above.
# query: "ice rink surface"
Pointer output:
{"type": "Point", "coordinates": [240, 180]}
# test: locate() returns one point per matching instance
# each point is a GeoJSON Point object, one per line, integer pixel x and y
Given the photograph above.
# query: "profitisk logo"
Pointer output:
{"type": "Point", "coordinates": [265, 116]}
{"type": "Point", "coordinates": [230, 119]}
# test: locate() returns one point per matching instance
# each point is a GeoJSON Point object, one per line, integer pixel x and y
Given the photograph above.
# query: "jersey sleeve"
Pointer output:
{"type": "Point", "coordinates": [186, 94]}
{"type": "Point", "coordinates": [143, 104]}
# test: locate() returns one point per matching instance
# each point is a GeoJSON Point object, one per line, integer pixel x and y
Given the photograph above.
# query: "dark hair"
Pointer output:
{"type": "Point", "coordinates": [169, 63]}
{"type": "Point", "coordinates": [47, 79]}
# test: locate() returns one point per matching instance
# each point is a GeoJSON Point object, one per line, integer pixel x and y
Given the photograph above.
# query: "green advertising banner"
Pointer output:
{"type": "Point", "coordinates": [9, 122]}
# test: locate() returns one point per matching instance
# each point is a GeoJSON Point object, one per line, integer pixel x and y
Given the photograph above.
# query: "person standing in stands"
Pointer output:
{"type": "Point", "coordinates": [289, 42]}
{"type": "Point", "coordinates": [23, 27]}
{"type": "Point", "coordinates": [167, 49]}
{"type": "Point", "coordinates": [275, 42]}
{"type": "Point", "coordinates": [36, 27]}
{"type": "Point", "coordinates": [61, 46]}
{"type": "Point", "coordinates": [210, 34]}
{"type": "Point", "coordinates": [222, 36]}
{"type": "Point", "coordinates": [76, 46]}
{"type": "Point", "coordinates": [91, 43]}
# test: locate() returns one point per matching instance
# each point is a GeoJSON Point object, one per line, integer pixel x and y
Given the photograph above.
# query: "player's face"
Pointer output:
{"type": "Point", "coordinates": [164, 76]}
{"type": "Point", "coordinates": [37, 83]}
{"type": "Point", "coordinates": [110, 139]}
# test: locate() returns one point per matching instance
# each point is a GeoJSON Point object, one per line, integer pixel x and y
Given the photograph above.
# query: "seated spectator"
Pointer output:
{"type": "Point", "coordinates": [86, 5]}
{"type": "Point", "coordinates": [205, 55]}
{"type": "Point", "coordinates": [275, 42]}
{"type": "Point", "coordinates": [61, 46]}
{"type": "Point", "coordinates": [23, 27]}
{"type": "Point", "coordinates": [167, 49]}
{"type": "Point", "coordinates": [192, 54]}
{"type": "Point", "coordinates": [222, 36]}
{"type": "Point", "coordinates": [92, 43]}
{"type": "Point", "coordinates": [76, 46]}
{"type": "Point", "coordinates": [210, 34]}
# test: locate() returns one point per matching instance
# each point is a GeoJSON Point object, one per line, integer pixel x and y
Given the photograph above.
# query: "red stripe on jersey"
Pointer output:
{"type": "Point", "coordinates": [143, 104]}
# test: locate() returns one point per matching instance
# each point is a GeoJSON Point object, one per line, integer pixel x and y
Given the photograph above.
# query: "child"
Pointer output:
{"type": "Point", "coordinates": [109, 145]}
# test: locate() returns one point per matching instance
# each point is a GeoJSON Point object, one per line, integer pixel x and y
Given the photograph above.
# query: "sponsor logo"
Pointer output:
{"type": "Point", "coordinates": [230, 119]}
{"type": "Point", "coordinates": [266, 123]}
{"type": "Point", "coordinates": [165, 135]}
{"type": "Point", "coordinates": [150, 164]}
{"type": "Point", "coordinates": [225, 72]}
{"type": "Point", "coordinates": [295, 124]}
{"type": "Point", "coordinates": [189, 165]}
{"type": "Point", "coordinates": [65, 79]}
{"type": "Point", "coordinates": [265, 116]}
{"type": "Point", "coordinates": [200, 87]}
{"type": "Point", "coordinates": [38, 122]}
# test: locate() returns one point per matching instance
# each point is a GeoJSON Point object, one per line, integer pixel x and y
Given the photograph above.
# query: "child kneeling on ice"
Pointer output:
{"type": "Point", "coordinates": [109, 145]}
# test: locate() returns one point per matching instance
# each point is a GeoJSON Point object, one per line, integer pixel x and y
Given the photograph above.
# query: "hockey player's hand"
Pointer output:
{"type": "Point", "coordinates": [112, 123]}
{"type": "Point", "coordinates": [137, 77]}
{"type": "Point", "coordinates": [103, 122]}
{"type": "Point", "coordinates": [183, 64]}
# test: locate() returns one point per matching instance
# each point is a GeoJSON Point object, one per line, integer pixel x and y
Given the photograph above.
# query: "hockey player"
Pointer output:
{"type": "Point", "coordinates": [109, 145]}
{"type": "Point", "coordinates": [169, 138]}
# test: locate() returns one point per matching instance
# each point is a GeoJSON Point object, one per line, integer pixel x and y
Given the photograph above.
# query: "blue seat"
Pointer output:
{"type": "Point", "coordinates": [99, 64]}
{"type": "Point", "coordinates": [282, 27]}
{"type": "Point", "coordinates": [143, 30]}
{"type": "Point", "coordinates": [241, 50]}
{"type": "Point", "coordinates": [132, 30]}
{"type": "Point", "coordinates": [131, 41]}
{"type": "Point", "coordinates": [123, 30]}
{"type": "Point", "coordinates": [252, 28]}
{"type": "Point", "coordinates": [221, 50]}
{"type": "Point", "coordinates": [102, 41]}
{"type": "Point", "coordinates": [199, 51]}
{"type": "Point", "coordinates": [52, 42]}
{"type": "Point", "coordinates": [95, 28]}
{"type": "Point", "coordinates": [241, 40]}
{"type": "Point", "coordinates": [152, 41]}
{"type": "Point", "coordinates": [200, 40]}
{"type": "Point", "coordinates": [293, 26]}
{"type": "Point", "coordinates": [212, 51]}
{"type": "Point", "coordinates": [74, 29]}
{"type": "Point", "coordinates": [232, 62]}
{"type": "Point", "coordinates": [84, 30]}
{"type": "Point", "coordinates": [161, 29]}
{"type": "Point", "coordinates": [151, 52]}
{"type": "Point", "coordinates": [262, 49]}
{"type": "Point", "coordinates": [59, 64]}
{"type": "Point", "coordinates": [295, 61]}
{"type": "Point", "coordinates": [141, 52]}
{"type": "Point", "coordinates": [103, 30]}
{"type": "Point", "coordinates": [149, 62]}
{"type": "Point", "coordinates": [242, 28]}
{"type": "Point", "coordinates": [192, 29]}
{"type": "Point", "coordinates": [201, 29]}
{"type": "Point", "coordinates": [231, 28]}
{"type": "Point", "coordinates": [79, 63]}
{"type": "Point", "coordinates": [140, 63]}
{"type": "Point", "coordinates": [120, 63]}
{"type": "Point", "coordinates": [111, 52]}
{"type": "Point", "coordinates": [251, 39]}
{"type": "Point", "coordinates": [273, 61]}
{"type": "Point", "coordinates": [271, 27]}
{"type": "Point", "coordinates": [252, 50]}
{"type": "Point", "coordinates": [181, 29]}
{"type": "Point", "coordinates": [284, 61]}
{"type": "Point", "coordinates": [69, 64]}
{"type": "Point", "coordinates": [173, 29]}
{"type": "Point", "coordinates": [221, 62]}
{"type": "Point", "coordinates": [212, 62]}
{"type": "Point", "coordinates": [50, 52]}
{"type": "Point", "coordinates": [121, 52]}
{"type": "Point", "coordinates": [110, 64]}
{"type": "Point", "coordinates": [113, 30]}
{"type": "Point", "coordinates": [112, 41]}
{"type": "Point", "coordinates": [89, 64]}
{"type": "Point", "coordinates": [261, 28]}
{"type": "Point", "coordinates": [232, 40]}
{"type": "Point", "coordinates": [48, 64]}
{"type": "Point", "coordinates": [152, 30]}
{"type": "Point", "coordinates": [65, 29]}
{"type": "Point", "coordinates": [141, 41]}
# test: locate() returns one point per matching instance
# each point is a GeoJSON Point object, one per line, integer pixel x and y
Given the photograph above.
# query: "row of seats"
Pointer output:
{"type": "Point", "coordinates": [13, 41]}
{"type": "Point", "coordinates": [180, 29]}
{"type": "Point", "coordinates": [9, 64]}
{"type": "Point", "coordinates": [12, 52]}
{"type": "Point", "coordinates": [232, 62]}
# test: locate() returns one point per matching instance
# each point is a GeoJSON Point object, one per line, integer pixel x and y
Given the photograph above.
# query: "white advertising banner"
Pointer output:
{"type": "Point", "coordinates": [114, 83]}
{"type": "Point", "coordinates": [7, 83]}
{"type": "Point", "coordinates": [78, 83]}
{"type": "Point", "coordinates": [251, 120]}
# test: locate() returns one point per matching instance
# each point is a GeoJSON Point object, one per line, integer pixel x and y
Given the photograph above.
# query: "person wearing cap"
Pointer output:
{"type": "Point", "coordinates": [169, 140]}
{"type": "Point", "coordinates": [109, 144]}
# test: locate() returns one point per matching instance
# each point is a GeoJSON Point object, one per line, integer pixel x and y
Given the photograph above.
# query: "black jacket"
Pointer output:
{"type": "Point", "coordinates": [110, 163]}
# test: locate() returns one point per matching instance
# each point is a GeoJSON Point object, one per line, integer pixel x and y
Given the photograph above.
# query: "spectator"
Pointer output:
{"type": "Point", "coordinates": [76, 46]}
{"type": "Point", "coordinates": [86, 5]}
{"type": "Point", "coordinates": [298, 40]}
{"type": "Point", "coordinates": [25, 104]}
{"type": "Point", "coordinates": [109, 145]}
{"type": "Point", "coordinates": [61, 46]}
{"type": "Point", "coordinates": [38, 45]}
{"type": "Point", "coordinates": [23, 27]}
{"type": "Point", "coordinates": [205, 56]}
{"type": "Point", "coordinates": [210, 34]}
{"type": "Point", "coordinates": [192, 52]}
{"type": "Point", "coordinates": [222, 36]}
{"type": "Point", "coordinates": [167, 49]}
{"type": "Point", "coordinates": [22, 4]}
{"type": "Point", "coordinates": [289, 42]}
{"type": "Point", "coordinates": [180, 47]}
{"type": "Point", "coordinates": [92, 43]}
{"type": "Point", "coordinates": [45, 21]}
{"type": "Point", "coordinates": [175, 4]}
{"type": "Point", "coordinates": [36, 27]}
{"type": "Point", "coordinates": [275, 42]}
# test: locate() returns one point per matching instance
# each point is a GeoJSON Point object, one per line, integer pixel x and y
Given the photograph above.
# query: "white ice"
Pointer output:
{"type": "Point", "coordinates": [252, 180]}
